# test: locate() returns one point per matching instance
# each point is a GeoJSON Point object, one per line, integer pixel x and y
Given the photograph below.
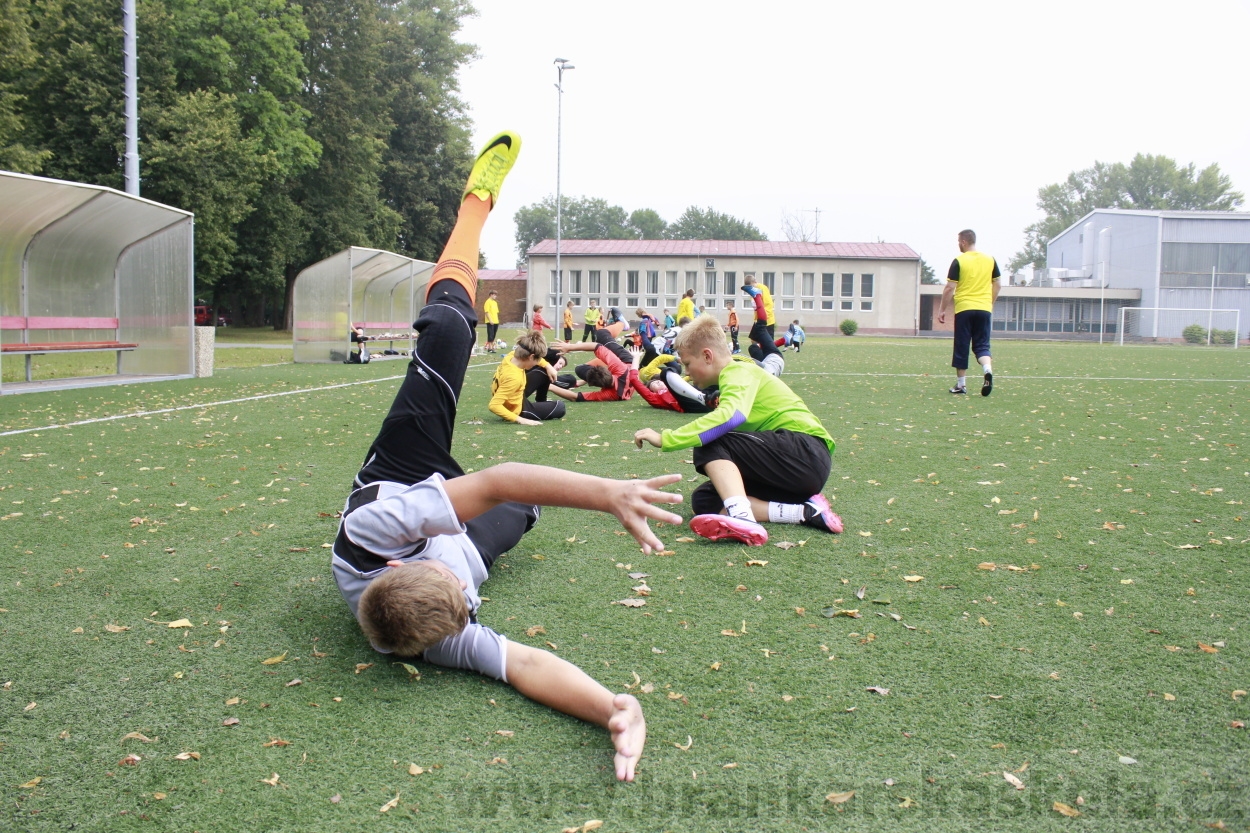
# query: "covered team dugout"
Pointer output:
{"type": "Point", "coordinates": [89, 270]}
{"type": "Point", "coordinates": [376, 290]}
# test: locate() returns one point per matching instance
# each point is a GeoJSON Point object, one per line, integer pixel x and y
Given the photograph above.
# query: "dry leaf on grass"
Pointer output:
{"type": "Point", "coordinates": [1207, 649]}
{"type": "Point", "coordinates": [413, 769]}
{"type": "Point", "coordinates": [1238, 694]}
{"type": "Point", "coordinates": [689, 743]}
{"type": "Point", "coordinates": [785, 545]}
{"type": "Point", "coordinates": [1065, 810]}
{"type": "Point", "coordinates": [130, 760]}
{"type": "Point", "coordinates": [390, 805]}
{"type": "Point", "coordinates": [755, 562]}
{"type": "Point", "coordinates": [876, 689]}
{"type": "Point", "coordinates": [116, 628]}
{"type": "Point", "coordinates": [139, 736]}
{"type": "Point", "coordinates": [840, 798]}
{"type": "Point", "coordinates": [187, 756]}
{"type": "Point", "coordinates": [31, 784]}
{"type": "Point", "coordinates": [414, 674]}
{"type": "Point", "coordinates": [233, 701]}
{"type": "Point", "coordinates": [230, 721]}
{"type": "Point", "coordinates": [685, 539]}
{"type": "Point", "coordinates": [507, 733]}
{"type": "Point", "coordinates": [630, 602]}
{"type": "Point", "coordinates": [913, 579]}
{"type": "Point", "coordinates": [859, 594]}
{"type": "Point", "coordinates": [1013, 780]}
{"type": "Point", "coordinates": [180, 623]}
{"type": "Point", "coordinates": [295, 682]}
{"type": "Point", "coordinates": [275, 660]}
{"type": "Point", "coordinates": [362, 666]}
{"type": "Point", "coordinates": [272, 742]}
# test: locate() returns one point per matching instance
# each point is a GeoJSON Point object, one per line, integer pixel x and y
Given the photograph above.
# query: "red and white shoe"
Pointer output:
{"type": "Point", "coordinates": [725, 528]}
{"type": "Point", "coordinates": [817, 513]}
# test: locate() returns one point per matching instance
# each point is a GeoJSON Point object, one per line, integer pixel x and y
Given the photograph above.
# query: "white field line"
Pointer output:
{"type": "Point", "coordinates": [491, 366]}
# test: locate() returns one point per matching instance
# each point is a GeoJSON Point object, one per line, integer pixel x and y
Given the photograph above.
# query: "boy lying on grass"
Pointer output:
{"type": "Point", "coordinates": [418, 536]}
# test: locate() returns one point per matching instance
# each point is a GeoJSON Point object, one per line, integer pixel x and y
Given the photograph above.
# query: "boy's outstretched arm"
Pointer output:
{"type": "Point", "coordinates": [545, 678]}
{"type": "Point", "coordinates": [631, 501]}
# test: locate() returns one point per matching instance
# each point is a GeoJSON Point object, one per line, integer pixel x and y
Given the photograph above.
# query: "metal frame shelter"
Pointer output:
{"type": "Point", "coordinates": [371, 288]}
{"type": "Point", "coordinates": [85, 268]}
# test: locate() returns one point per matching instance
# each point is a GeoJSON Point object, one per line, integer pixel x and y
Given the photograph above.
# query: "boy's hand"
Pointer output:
{"type": "Point", "coordinates": [637, 354]}
{"type": "Point", "coordinates": [648, 435]}
{"type": "Point", "coordinates": [562, 346]}
{"type": "Point", "coordinates": [632, 502]}
{"type": "Point", "coordinates": [527, 421]}
{"type": "Point", "coordinates": [629, 734]}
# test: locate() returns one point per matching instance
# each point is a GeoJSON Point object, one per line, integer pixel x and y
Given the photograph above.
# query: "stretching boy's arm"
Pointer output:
{"type": "Point", "coordinates": [631, 501]}
{"type": "Point", "coordinates": [558, 684]}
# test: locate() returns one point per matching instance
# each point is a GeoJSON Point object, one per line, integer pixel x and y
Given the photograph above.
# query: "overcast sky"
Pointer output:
{"type": "Point", "coordinates": [900, 121]}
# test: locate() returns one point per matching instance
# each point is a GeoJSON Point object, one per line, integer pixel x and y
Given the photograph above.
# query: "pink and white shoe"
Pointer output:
{"type": "Point", "coordinates": [725, 528]}
{"type": "Point", "coordinates": [817, 513]}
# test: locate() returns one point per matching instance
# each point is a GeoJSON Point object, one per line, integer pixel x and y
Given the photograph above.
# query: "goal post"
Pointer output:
{"type": "Point", "coordinates": [1167, 325]}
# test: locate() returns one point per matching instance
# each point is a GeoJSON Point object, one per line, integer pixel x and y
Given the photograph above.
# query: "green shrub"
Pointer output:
{"type": "Point", "coordinates": [848, 327]}
{"type": "Point", "coordinates": [1223, 336]}
{"type": "Point", "coordinates": [1195, 334]}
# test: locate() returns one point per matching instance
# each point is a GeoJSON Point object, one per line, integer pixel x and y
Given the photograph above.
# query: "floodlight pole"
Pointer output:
{"type": "Point", "coordinates": [130, 62]}
{"type": "Point", "coordinates": [561, 65]}
{"type": "Point", "coordinates": [1211, 309]}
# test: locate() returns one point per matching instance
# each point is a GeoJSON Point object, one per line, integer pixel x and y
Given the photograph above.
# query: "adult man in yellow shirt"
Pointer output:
{"type": "Point", "coordinates": [972, 283]}
{"type": "Point", "coordinates": [490, 311]}
{"type": "Point", "coordinates": [771, 322]}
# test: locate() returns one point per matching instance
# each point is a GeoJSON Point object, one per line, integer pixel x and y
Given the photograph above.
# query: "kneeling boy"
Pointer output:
{"type": "Point", "coordinates": [766, 456]}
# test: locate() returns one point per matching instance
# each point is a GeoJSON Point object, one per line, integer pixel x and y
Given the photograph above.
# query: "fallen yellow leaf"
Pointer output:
{"type": "Point", "coordinates": [840, 798]}
{"type": "Point", "coordinates": [1167, 696]}
{"type": "Point", "coordinates": [32, 783]}
{"type": "Point", "coordinates": [913, 578]}
{"type": "Point", "coordinates": [180, 623]}
{"type": "Point", "coordinates": [390, 805]}
{"type": "Point", "coordinates": [1065, 810]}
{"type": "Point", "coordinates": [1208, 649]}
{"type": "Point", "coordinates": [275, 660]}
{"type": "Point", "coordinates": [413, 769]}
{"type": "Point", "coordinates": [135, 736]}
{"type": "Point", "coordinates": [116, 628]}
{"type": "Point", "coordinates": [272, 780]}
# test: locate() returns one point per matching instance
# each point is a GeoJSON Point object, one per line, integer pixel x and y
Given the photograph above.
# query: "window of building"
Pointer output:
{"type": "Point", "coordinates": [709, 284]}
{"type": "Point", "coordinates": [614, 282]}
{"type": "Point", "coordinates": [809, 285]}
{"type": "Point", "coordinates": [787, 285]}
{"type": "Point", "coordinates": [670, 282]}
{"type": "Point", "coordinates": [730, 283]}
{"type": "Point", "coordinates": [1195, 265]}
{"type": "Point", "coordinates": [709, 303]}
{"type": "Point", "coordinates": [575, 281]}
{"type": "Point", "coordinates": [787, 303]}
{"type": "Point", "coordinates": [770, 281]}
{"type": "Point", "coordinates": [847, 305]}
{"type": "Point", "coordinates": [865, 306]}
{"type": "Point", "coordinates": [555, 283]}
{"type": "Point", "coordinates": [692, 281]}
{"type": "Point", "coordinates": [827, 289]}
{"type": "Point", "coordinates": [865, 286]}
{"type": "Point", "coordinates": [808, 303]}
{"type": "Point", "coordinates": [631, 282]}
{"type": "Point", "coordinates": [848, 286]}
{"type": "Point", "coordinates": [593, 282]}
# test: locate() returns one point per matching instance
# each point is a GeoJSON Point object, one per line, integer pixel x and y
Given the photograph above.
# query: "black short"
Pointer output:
{"type": "Point", "coordinates": [971, 325]}
{"type": "Point", "coordinates": [415, 439]}
{"type": "Point", "coordinates": [783, 466]}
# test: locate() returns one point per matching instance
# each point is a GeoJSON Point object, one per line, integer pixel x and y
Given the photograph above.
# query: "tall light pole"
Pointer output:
{"type": "Point", "coordinates": [130, 70]}
{"type": "Point", "coordinates": [561, 65]}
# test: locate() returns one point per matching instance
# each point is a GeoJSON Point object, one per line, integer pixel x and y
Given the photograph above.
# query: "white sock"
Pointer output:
{"type": "Point", "coordinates": [739, 507]}
{"type": "Point", "coordinates": [985, 365]}
{"type": "Point", "coordinates": [961, 382]}
{"type": "Point", "coordinates": [785, 513]}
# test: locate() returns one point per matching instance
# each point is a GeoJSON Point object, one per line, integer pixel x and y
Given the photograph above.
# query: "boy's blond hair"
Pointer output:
{"type": "Point", "coordinates": [704, 331]}
{"type": "Point", "coordinates": [530, 344]}
{"type": "Point", "coordinates": [407, 609]}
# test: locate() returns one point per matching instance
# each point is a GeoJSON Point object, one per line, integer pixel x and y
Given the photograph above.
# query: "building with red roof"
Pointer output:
{"type": "Point", "coordinates": [820, 284]}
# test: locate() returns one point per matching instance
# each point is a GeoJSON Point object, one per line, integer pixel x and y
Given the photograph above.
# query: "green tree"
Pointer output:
{"type": "Point", "coordinates": [927, 275]}
{"type": "Point", "coordinates": [16, 56]}
{"type": "Point", "coordinates": [428, 152]}
{"type": "Point", "coordinates": [582, 218]}
{"type": "Point", "coordinates": [1146, 183]}
{"type": "Point", "coordinates": [647, 224]}
{"type": "Point", "coordinates": [706, 224]}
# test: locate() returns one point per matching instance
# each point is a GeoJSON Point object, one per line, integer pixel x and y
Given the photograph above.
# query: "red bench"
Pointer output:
{"type": "Point", "coordinates": [28, 348]}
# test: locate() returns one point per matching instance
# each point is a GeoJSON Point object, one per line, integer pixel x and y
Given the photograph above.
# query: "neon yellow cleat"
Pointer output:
{"type": "Point", "coordinates": [492, 165]}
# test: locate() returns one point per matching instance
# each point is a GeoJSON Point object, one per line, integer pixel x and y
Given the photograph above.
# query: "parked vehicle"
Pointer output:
{"type": "Point", "coordinates": [205, 317]}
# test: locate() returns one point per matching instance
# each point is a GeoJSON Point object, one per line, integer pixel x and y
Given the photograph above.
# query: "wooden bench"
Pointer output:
{"type": "Point", "coordinates": [28, 348]}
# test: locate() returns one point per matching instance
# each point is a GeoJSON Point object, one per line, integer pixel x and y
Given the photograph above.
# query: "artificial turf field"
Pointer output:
{"type": "Point", "coordinates": [1105, 485]}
